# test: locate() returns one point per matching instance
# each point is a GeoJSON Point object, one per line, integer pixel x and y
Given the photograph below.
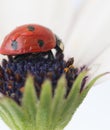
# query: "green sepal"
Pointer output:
{"type": "Point", "coordinates": [29, 102]}
{"type": "Point", "coordinates": [80, 98]}
{"type": "Point", "coordinates": [49, 112]}
{"type": "Point", "coordinates": [12, 114]}
{"type": "Point", "coordinates": [44, 107]}
{"type": "Point", "coordinates": [88, 87]}
{"type": "Point", "coordinates": [57, 103]}
{"type": "Point", "coordinates": [69, 108]}
{"type": "Point", "coordinates": [76, 97]}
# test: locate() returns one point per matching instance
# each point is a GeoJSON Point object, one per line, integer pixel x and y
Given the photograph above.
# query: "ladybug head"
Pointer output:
{"type": "Point", "coordinates": [59, 44]}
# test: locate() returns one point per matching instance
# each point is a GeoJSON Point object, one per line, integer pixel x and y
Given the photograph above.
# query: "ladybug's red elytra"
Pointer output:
{"type": "Point", "coordinates": [30, 38]}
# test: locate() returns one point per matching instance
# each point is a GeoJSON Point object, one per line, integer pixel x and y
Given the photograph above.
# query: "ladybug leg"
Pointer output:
{"type": "Point", "coordinates": [21, 57]}
{"type": "Point", "coordinates": [10, 58]}
{"type": "Point", "coordinates": [50, 55]}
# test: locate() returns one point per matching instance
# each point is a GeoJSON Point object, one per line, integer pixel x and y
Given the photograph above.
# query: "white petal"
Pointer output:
{"type": "Point", "coordinates": [16, 12]}
{"type": "Point", "coordinates": [89, 42]}
{"type": "Point", "coordinates": [101, 65]}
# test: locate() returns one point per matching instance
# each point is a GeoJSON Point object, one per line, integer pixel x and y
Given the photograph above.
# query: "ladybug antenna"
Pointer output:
{"type": "Point", "coordinates": [59, 44]}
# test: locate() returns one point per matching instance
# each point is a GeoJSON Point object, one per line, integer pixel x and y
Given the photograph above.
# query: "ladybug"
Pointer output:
{"type": "Point", "coordinates": [30, 38]}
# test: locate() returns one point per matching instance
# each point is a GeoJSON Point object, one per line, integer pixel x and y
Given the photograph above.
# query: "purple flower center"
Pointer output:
{"type": "Point", "coordinates": [13, 72]}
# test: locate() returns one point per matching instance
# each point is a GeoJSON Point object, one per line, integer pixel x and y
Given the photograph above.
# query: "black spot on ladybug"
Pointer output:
{"type": "Point", "coordinates": [31, 28]}
{"type": "Point", "coordinates": [14, 44]}
{"type": "Point", "coordinates": [41, 43]}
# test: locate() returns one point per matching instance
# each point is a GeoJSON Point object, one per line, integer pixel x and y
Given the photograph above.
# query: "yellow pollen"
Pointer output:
{"type": "Point", "coordinates": [22, 89]}
{"type": "Point", "coordinates": [67, 68]}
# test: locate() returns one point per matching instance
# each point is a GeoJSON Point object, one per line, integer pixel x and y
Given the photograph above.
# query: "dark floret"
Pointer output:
{"type": "Point", "coordinates": [13, 72]}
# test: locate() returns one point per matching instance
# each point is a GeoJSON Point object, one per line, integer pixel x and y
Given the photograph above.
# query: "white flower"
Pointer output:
{"type": "Point", "coordinates": [83, 25]}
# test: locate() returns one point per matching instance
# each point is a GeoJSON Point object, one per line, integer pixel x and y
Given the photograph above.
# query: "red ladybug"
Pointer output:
{"type": "Point", "coordinates": [30, 38]}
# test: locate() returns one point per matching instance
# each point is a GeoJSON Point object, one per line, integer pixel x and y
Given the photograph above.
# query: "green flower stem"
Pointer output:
{"type": "Point", "coordinates": [46, 113]}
